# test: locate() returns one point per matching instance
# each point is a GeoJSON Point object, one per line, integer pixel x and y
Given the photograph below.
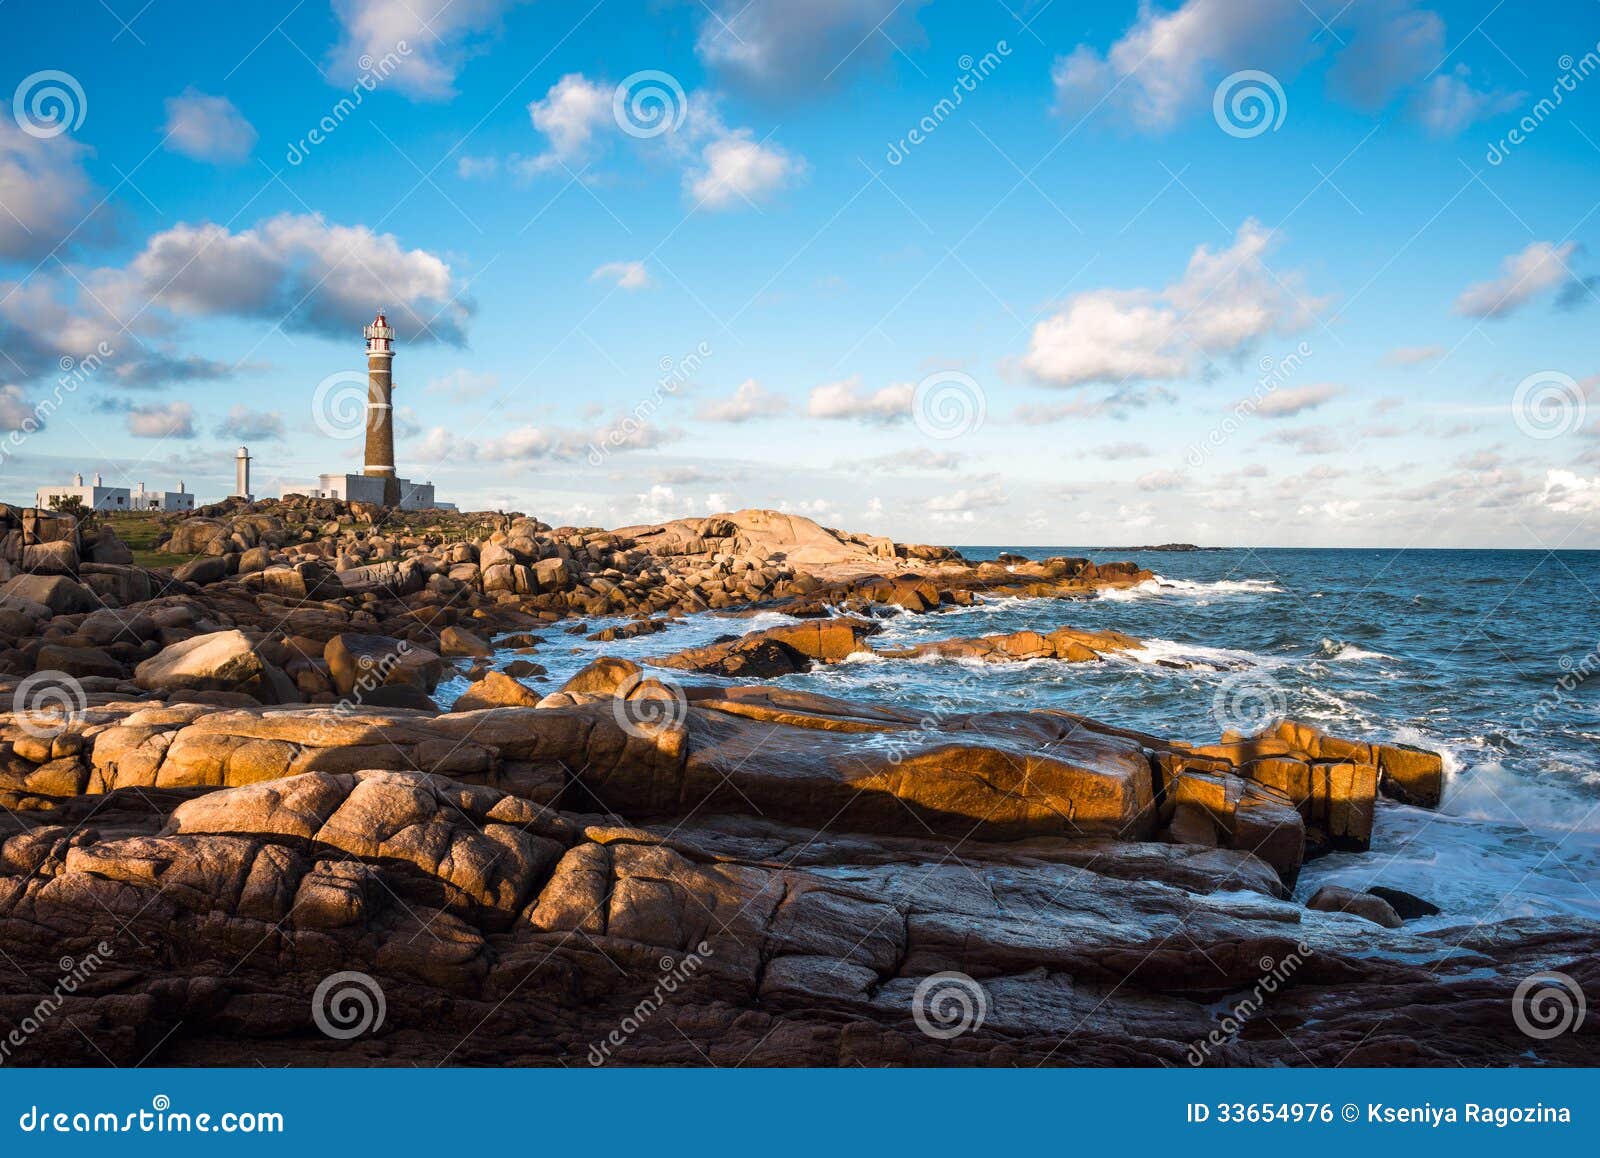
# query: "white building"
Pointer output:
{"type": "Point", "coordinates": [100, 497]}
{"type": "Point", "coordinates": [97, 497]}
{"type": "Point", "coordinates": [178, 500]}
{"type": "Point", "coordinates": [362, 488]}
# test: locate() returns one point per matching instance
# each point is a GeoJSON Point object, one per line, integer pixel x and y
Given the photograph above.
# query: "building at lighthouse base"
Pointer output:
{"type": "Point", "coordinates": [361, 488]}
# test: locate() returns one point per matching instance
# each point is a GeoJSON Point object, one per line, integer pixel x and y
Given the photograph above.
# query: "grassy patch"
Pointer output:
{"type": "Point", "coordinates": [141, 530]}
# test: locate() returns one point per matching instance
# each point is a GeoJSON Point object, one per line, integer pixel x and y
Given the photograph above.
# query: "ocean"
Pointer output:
{"type": "Point", "coordinates": [1485, 656]}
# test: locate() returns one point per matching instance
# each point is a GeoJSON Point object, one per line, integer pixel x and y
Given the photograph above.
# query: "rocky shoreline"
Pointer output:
{"type": "Point", "coordinates": [229, 785]}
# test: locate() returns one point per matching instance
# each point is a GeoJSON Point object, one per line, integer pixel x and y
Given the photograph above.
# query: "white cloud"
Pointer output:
{"type": "Point", "coordinates": [1160, 480]}
{"type": "Point", "coordinates": [1114, 451]}
{"type": "Point", "coordinates": [208, 128]}
{"type": "Point", "coordinates": [1566, 492]}
{"type": "Point", "coordinates": [921, 458]}
{"type": "Point", "coordinates": [738, 169]}
{"type": "Point", "coordinates": [418, 45]}
{"type": "Point", "coordinates": [844, 399]}
{"type": "Point", "coordinates": [1297, 400]}
{"type": "Point", "coordinates": [1525, 275]}
{"type": "Point", "coordinates": [1337, 510]}
{"type": "Point", "coordinates": [1448, 103]}
{"type": "Point", "coordinates": [1163, 67]}
{"type": "Point", "coordinates": [1415, 355]}
{"type": "Point", "coordinates": [250, 425]}
{"type": "Point", "coordinates": [16, 412]}
{"type": "Point", "coordinates": [470, 168]}
{"type": "Point", "coordinates": [299, 269]}
{"type": "Point", "coordinates": [1224, 302]}
{"type": "Point", "coordinates": [723, 167]}
{"type": "Point", "coordinates": [1134, 517]}
{"type": "Point", "coordinates": [463, 385]}
{"type": "Point", "coordinates": [628, 275]}
{"type": "Point", "coordinates": [1309, 439]}
{"type": "Point", "coordinates": [750, 400]}
{"type": "Point", "coordinates": [662, 503]}
{"type": "Point", "coordinates": [568, 116]}
{"type": "Point", "coordinates": [1166, 66]}
{"type": "Point", "coordinates": [174, 420]}
{"type": "Point", "coordinates": [44, 189]}
{"type": "Point", "coordinates": [1391, 44]}
{"type": "Point", "coordinates": [778, 46]}
{"type": "Point", "coordinates": [553, 443]}
{"type": "Point", "coordinates": [963, 506]}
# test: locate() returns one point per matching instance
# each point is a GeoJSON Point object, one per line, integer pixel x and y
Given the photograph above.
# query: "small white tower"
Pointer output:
{"type": "Point", "coordinates": [241, 474]}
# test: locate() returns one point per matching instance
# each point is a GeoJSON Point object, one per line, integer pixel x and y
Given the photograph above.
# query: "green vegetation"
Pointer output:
{"type": "Point", "coordinates": [73, 505]}
{"type": "Point", "coordinates": [141, 530]}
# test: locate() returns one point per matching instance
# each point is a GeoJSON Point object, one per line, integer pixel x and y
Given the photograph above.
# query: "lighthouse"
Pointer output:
{"type": "Point", "coordinates": [380, 408]}
{"type": "Point", "coordinates": [241, 474]}
{"type": "Point", "coordinates": [378, 483]}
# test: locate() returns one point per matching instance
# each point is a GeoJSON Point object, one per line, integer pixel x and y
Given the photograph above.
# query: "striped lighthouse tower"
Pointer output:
{"type": "Point", "coordinates": [380, 408]}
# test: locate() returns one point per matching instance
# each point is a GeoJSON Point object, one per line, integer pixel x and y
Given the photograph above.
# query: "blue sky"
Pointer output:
{"type": "Point", "coordinates": [659, 259]}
